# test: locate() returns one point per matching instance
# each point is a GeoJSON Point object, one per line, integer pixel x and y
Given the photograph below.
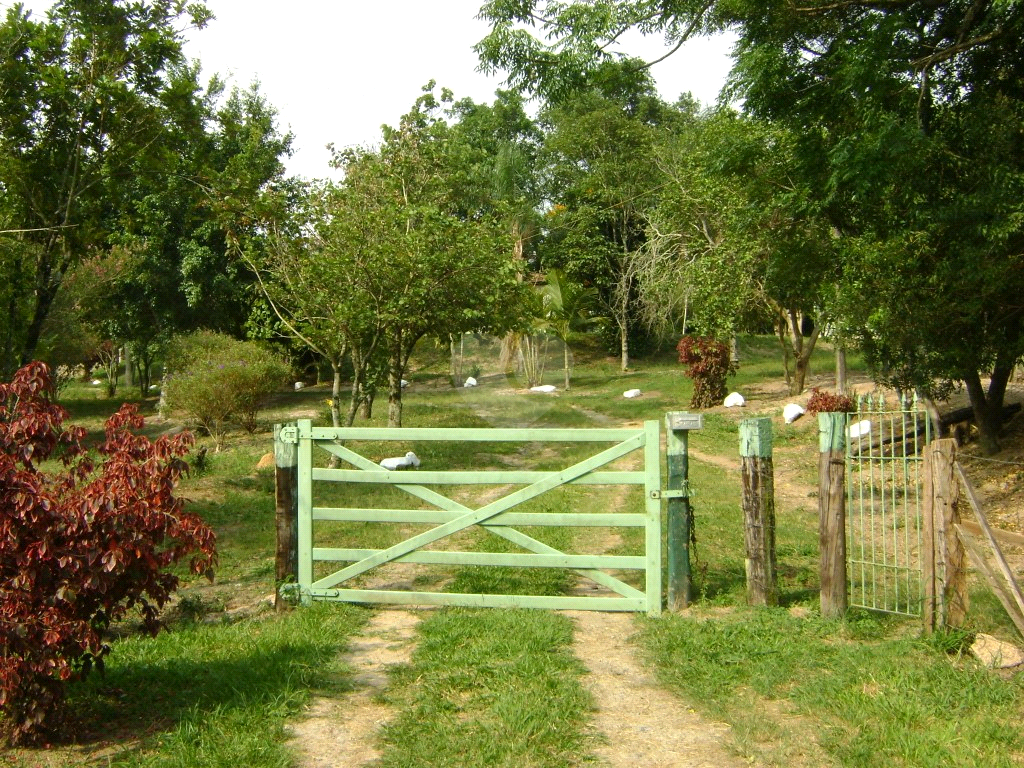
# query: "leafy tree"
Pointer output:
{"type": "Point", "coordinates": [80, 547]}
{"type": "Point", "coordinates": [82, 105]}
{"type": "Point", "coordinates": [600, 169]}
{"type": "Point", "coordinates": [568, 307]}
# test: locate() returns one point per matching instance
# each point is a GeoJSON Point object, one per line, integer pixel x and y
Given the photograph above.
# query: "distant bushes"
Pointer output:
{"type": "Point", "coordinates": [827, 402]}
{"type": "Point", "coordinates": [218, 381]}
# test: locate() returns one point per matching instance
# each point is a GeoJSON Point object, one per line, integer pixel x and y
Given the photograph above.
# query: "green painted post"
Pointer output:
{"type": "Point", "coordinates": [757, 474]}
{"type": "Point", "coordinates": [286, 477]}
{"type": "Point", "coordinates": [680, 583]}
{"type": "Point", "coordinates": [652, 509]}
{"type": "Point", "coordinates": [832, 512]}
{"type": "Point", "coordinates": [305, 507]}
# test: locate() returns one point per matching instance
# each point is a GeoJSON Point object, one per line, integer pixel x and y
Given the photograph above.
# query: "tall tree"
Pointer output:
{"type": "Point", "coordinates": [81, 111]}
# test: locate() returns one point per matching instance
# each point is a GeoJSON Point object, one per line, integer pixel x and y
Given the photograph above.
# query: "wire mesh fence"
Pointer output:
{"type": "Point", "coordinates": [885, 443]}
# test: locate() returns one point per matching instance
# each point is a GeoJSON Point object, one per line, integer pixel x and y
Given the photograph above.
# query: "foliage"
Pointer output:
{"type": "Point", "coordinates": [216, 380]}
{"type": "Point", "coordinates": [709, 364]}
{"type": "Point", "coordinates": [80, 547]}
{"type": "Point", "coordinates": [829, 402]}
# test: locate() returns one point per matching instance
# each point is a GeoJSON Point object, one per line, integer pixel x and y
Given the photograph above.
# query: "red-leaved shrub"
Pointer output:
{"type": "Point", "coordinates": [708, 363]}
{"type": "Point", "coordinates": [80, 545]}
{"type": "Point", "coordinates": [829, 402]}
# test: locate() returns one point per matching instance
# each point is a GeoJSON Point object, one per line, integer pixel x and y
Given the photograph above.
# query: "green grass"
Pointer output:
{"type": "Point", "coordinates": [489, 687]}
{"type": "Point", "coordinates": [502, 687]}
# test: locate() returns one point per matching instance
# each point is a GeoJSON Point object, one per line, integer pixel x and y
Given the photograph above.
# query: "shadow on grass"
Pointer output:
{"type": "Point", "coordinates": [249, 674]}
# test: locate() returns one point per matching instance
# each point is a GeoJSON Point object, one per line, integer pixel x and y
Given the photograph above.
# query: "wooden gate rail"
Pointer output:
{"type": "Point", "coordinates": [449, 516]}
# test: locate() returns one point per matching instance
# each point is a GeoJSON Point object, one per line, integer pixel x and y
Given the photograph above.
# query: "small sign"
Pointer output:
{"type": "Point", "coordinates": [681, 420]}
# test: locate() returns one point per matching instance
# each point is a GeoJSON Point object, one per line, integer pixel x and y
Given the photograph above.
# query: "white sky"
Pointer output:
{"type": "Point", "coordinates": [336, 70]}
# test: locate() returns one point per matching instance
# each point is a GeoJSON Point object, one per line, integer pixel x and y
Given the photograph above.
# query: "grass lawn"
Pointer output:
{"type": "Point", "coordinates": [502, 687]}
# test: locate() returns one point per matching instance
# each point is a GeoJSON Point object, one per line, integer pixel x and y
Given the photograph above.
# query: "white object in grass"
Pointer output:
{"type": "Point", "coordinates": [544, 388]}
{"type": "Point", "coordinates": [96, 382]}
{"type": "Point", "coordinates": [469, 382]}
{"type": "Point", "coordinates": [632, 393]}
{"type": "Point", "coordinates": [299, 385]}
{"type": "Point", "coordinates": [860, 429]}
{"type": "Point", "coordinates": [792, 412]}
{"type": "Point", "coordinates": [734, 400]}
{"type": "Point", "coordinates": [404, 383]}
{"type": "Point", "coordinates": [401, 462]}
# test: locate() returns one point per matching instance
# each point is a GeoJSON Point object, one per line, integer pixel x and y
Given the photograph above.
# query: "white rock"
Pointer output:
{"type": "Point", "coordinates": [96, 382]}
{"type": "Point", "coordinates": [469, 382]}
{"type": "Point", "coordinates": [996, 654]}
{"type": "Point", "coordinates": [299, 385]}
{"type": "Point", "coordinates": [792, 412]}
{"type": "Point", "coordinates": [632, 393]}
{"type": "Point", "coordinates": [859, 429]}
{"type": "Point", "coordinates": [544, 388]}
{"type": "Point", "coordinates": [734, 400]}
{"type": "Point", "coordinates": [401, 462]}
{"type": "Point", "coordinates": [404, 383]}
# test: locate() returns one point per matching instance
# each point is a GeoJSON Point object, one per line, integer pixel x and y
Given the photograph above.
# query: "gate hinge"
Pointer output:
{"type": "Point", "coordinates": [289, 435]}
{"type": "Point", "coordinates": [674, 493]}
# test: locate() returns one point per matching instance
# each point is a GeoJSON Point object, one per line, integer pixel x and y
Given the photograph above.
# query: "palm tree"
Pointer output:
{"type": "Point", "coordinates": [567, 308]}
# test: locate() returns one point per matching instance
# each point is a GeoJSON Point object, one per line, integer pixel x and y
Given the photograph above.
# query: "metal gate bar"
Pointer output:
{"type": "Point", "coordinates": [884, 489]}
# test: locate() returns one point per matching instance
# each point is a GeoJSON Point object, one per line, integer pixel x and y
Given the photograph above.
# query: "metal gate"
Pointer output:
{"type": "Point", "coordinates": [448, 516]}
{"type": "Point", "coordinates": [884, 499]}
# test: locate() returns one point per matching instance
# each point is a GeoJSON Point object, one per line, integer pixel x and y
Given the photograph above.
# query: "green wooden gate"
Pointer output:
{"type": "Point", "coordinates": [448, 516]}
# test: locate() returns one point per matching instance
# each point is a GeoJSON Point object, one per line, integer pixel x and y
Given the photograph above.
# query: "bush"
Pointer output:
{"type": "Point", "coordinates": [827, 402]}
{"type": "Point", "coordinates": [709, 364]}
{"type": "Point", "coordinates": [80, 546]}
{"type": "Point", "coordinates": [218, 380]}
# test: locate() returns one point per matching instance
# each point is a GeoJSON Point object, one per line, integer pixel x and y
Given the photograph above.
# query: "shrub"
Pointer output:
{"type": "Point", "coordinates": [217, 380]}
{"type": "Point", "coordinates": [79, 546]}
{"type": "Point", "coordinates": [709, 364]}
{"type": "Point", "coordinates": [828, 402]}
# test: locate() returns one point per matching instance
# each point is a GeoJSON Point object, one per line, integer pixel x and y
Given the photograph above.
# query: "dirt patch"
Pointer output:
{"type": "Point", "coordinates": [343, 731]}
{"type": "Point", "coordinates": [639, 723]}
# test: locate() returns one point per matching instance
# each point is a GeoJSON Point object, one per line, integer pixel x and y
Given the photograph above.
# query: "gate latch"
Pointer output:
{"type": "Point", "coordinates": [289, 435]}
{"type": "Point", "coordinates": [673, 493]}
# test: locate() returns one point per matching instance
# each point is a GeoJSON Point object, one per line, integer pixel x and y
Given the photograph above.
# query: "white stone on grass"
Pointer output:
{"type": "Point", "coordinates": [469, 382]}
{"type": "Point", "coordinates": [792, 412]}
{"type": "Point", "coordinates": [299, 385]}
{"type": "Point", "coordinates": [632, 393]}
{"type": "Point", "coordinates": [734, 400]}
{"type": "Point", "coordinates": [544, 388]}
{"type": "Point", "coordinates": [860, 429]}
{"type": "Point", "coordinates": [401, 462]}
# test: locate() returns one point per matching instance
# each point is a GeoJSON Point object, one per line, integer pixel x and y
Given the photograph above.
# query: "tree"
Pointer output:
{"type": "Point", "coordinates": [81, 109]}
{"type": "Point", "coordinates": [913, 112]}
{"type": "Point", "coordinates": [568, 307]}
{"type": "Point", "coordinates": [402, 250]}
{"type": "Point", "coordinates": [80, 547]}
{"type": "Point", "coordinates": [599, 164]}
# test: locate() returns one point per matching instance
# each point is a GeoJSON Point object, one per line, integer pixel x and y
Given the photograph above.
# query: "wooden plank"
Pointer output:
{"type": "Point", "coordinates": [305, 504]}
{"type": "Point", "coordinates": [475, 434]}
{"type": "Point", "coordinates": [1004, 567]}
{"type": "Point", "coordinates": [502, 559]}
{"type": "Point", "coordinates": [1004, 537]}
{"type": "Point", "coordinates": [564, 603]}
{"type": "Point", "coordinates": [978, 558]}
{"type": "Point", "coordinates": [467, 477]}
{"type": "Point", "coordinates": [486, 512]}
{"type": "Point", "coordinates": [286, 482]}
{"type": "Point", "coordinates": [652, 506]}
{"type": "Point", "coordinates": [425, 516]}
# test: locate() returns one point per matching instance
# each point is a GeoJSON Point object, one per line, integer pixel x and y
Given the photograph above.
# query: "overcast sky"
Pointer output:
{"type": "Point", "coordinates": [336, 70]}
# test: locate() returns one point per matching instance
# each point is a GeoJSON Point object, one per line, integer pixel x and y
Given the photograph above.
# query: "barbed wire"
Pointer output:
{"type": "Point", "coordinates": [992, 461]}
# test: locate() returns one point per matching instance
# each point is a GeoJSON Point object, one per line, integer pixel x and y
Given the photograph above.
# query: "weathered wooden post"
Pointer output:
{"type": "Point", "coordinates": [678, 425]}
{"type": "Point", "coordinates": [832, 512]}
{"type": "Point", "coordinates": [286, 460]}
{"type": "Point", "coordinates": [944, 559]}
{"type": "Point", "coordinates": [758, 475]}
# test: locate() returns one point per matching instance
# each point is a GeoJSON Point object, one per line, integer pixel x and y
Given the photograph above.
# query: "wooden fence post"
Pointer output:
{"type": "Point", "coordinates": [759, 510]}
{"type": "Point", "coordinates": [286, 460]}
{"type": "Point", "coordinates": [832, 512]}
{"type": "Point", "coordinates": [680, 583]}
{"type": "Point", "coordinates": [944, 559]}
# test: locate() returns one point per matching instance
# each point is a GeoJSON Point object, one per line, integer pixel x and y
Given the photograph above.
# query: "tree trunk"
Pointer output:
{"type": "Point", "coordinates": [624, 343]}
{"type": "Point", "coordinates": [366, 409]}
{"type": "Point", "coordinates": [565, 363]}
{"type": "Point", "coordinates": [336, 394]}
{"type": "Point", "coordinates": [986, 417]}
{"type": "Point", "coordinates": [840, 370]}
